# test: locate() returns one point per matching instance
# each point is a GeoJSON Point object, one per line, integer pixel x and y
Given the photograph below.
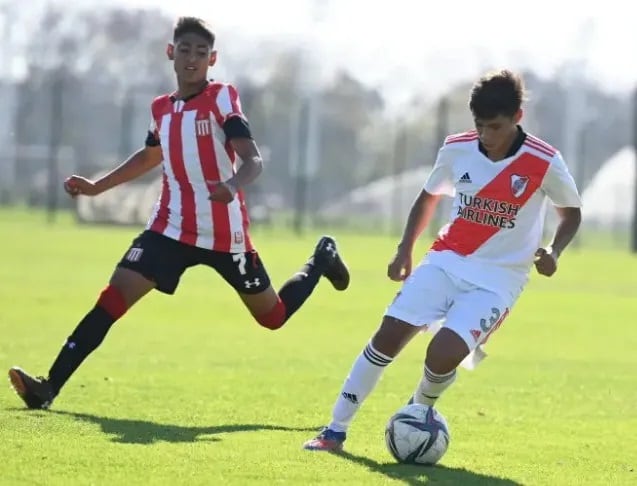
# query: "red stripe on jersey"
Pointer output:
{"type": "Point", "coordinates": [188, 210]}
{"type": "Point", "coordinates": [540, 148]}
{"type": "Point", "coordinates": [245, 218]}
{"type": "Point", "coordinates": [160, 222]}
{"type": "Point", "coordinates": [234, 99]}
{"type": "Point", "coordinates": [468, 133]}
{"type": "Point", "coordinates": [220, 217]}
{"type": "Point", "coordinates": [220, 121]}
{"type": "Point", "coordinates": [245, 222]}
{"type": "Point", "coordinates": [541, 143]}
{"type": "Point", "coordinates": [232, 156]}
{"type": "Point", "coordinates": [215, 108]}
{"type": "Point", "coordinates": [161, 218]}
{"type": "Point", "coordinates": [462, 137]}
{"type": "Point", "coordinates": [464, 236]}
{"type": "Point", "coordinates": [460, 140]}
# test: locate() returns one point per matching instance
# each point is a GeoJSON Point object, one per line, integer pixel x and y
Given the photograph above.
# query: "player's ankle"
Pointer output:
{"type": "Point", "coordinates": [338, 427]}
{"type": "Point", "coordinates": [432, 386]}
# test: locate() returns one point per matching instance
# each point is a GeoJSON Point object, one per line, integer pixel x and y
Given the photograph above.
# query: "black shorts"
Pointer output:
{"type": "Point", "coordinates": [164, 260]}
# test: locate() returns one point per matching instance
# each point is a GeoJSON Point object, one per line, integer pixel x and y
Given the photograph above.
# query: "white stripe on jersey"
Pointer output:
{"type": "Point", "coordinates": [226, 171]}
{"type": "Point", "coordinates": [224, 102]}
{"type": "Point", "coordinates": [194, 172]}
{"type": "Point", "coordinates": [173, 230]}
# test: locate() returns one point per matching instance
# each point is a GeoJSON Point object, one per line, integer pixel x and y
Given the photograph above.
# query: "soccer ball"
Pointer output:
{"type": "Point", "coordinates": [417, 434]}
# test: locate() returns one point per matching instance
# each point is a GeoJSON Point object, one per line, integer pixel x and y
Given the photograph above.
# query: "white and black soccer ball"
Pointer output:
{"type": "Point", "coordinates": [417, 434]}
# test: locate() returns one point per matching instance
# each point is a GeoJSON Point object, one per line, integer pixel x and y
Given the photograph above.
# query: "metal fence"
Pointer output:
{"type": "Point", "coordinates": [335, 155]}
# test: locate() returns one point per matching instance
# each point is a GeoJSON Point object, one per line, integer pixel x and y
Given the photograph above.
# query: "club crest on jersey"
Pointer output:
{"type": "Point", "coordinates": [518, 184]}
{"type": "Point", "coordinates": [203, 127]}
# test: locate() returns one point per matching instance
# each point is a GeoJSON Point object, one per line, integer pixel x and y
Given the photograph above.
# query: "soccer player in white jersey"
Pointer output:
{"type": "Point", "coordinates": [200, 218]}
{"type": "Point", "coordinates": [500, 178]}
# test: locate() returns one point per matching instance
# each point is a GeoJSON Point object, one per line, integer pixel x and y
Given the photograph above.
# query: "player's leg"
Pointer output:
{"type": "Point", "coordinates": [472, 318]}
{"type": "Point", "coordinates": [150, 262]}
{"type": "Point", "coordinates": [424, 298]}
{"type": "Point", "coordinates": [271, 309]}
{"type": "Point", "coordinates": [124, 289]}
{"type": "Point", "coordinates": [252, 282]}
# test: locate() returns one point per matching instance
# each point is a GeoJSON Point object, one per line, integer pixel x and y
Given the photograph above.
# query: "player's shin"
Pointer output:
{"type": "Point", "coordinates": [362, 379]}
{"type": "Point", "coordinates": [298, 288]}
{"type": "Point", "coordinates": [87, 336]}
{"type": "Point", "coordinates": [444, 353]}
{"type": "Point", "coordinates": [432, 386]}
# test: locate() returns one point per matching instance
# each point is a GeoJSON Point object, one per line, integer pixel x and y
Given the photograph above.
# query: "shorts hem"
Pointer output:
{"type": "Point", "coordinates": [404, 317]}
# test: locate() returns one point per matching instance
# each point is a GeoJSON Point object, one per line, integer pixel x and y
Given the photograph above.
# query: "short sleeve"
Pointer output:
{"type": "Point", "coordinates": [559, 185]}
{"type": "Point", "coordinates": [440, 180]}
{"type": "Point", "coordinates": [229, 104]}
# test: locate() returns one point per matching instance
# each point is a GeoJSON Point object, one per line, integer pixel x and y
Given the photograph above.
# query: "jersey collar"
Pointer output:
{"type": "Point", "coordinates": [515, 146]}
{"type": "Point", "coordinates": [174, 97]}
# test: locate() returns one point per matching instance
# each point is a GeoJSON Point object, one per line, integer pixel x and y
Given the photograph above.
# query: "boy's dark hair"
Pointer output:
{"type": "Point", "coordinates": [193, 25]}
{"type": "Point", "coordinates": [497, 93]}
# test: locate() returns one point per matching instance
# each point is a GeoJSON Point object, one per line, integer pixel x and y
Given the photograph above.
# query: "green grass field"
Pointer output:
{"type": "Point", "coordinates": [188, 390]}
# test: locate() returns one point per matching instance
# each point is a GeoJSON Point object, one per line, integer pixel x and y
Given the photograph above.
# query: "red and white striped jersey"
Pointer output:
{"type": "Point", "coordinates": [195, 150]}
{"type": "Point", "coordinates": [498, 209]}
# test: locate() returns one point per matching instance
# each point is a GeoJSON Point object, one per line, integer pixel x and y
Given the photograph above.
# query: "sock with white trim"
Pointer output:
{"type": "Point", "coordinates": [362, 379]}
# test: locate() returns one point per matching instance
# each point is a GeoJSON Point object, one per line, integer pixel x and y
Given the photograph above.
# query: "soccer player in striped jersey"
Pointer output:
{"type": "Point", "coordinates": [500, 178]}
{"type": "Point", "coordinates": [196, 134]}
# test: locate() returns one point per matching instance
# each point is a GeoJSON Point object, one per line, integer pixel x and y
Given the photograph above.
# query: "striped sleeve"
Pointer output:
{"type": "Point", "coordinates": [229, 103]}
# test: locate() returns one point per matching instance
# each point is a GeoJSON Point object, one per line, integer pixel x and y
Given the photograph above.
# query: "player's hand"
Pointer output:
{"type": "Point", "coordinates": [399, 267]}
{"type": "Point", "coordinates": [545, 262]}
{"type": "Point", "coordinates": [76, 185]}
{"type": "Point", "coordinates": [222, 192]}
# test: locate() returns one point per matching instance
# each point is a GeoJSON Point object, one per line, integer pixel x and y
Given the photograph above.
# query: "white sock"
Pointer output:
{"type": "Point", "coordinates": [432, 386]}
{"type": "Point", "coordinates": [362, 379]}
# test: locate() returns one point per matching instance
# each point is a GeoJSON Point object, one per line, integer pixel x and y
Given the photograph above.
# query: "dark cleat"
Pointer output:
{"type": "Point", "coordinates": [35, 392]}
{"type": "Point", "coordinates": [334, 269]}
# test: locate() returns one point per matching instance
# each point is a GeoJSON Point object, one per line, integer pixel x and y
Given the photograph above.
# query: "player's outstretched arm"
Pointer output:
{"type": "Point", "coordinates": [250, 168]}
{"type": "Point", "coordinates": [546, 258]}
{"type": "Point", "coordinates": [420, 214]}
{"type": "Point", "coordinates": [251, 162]}
{"type": "Point", "coordinates": [136, 165]}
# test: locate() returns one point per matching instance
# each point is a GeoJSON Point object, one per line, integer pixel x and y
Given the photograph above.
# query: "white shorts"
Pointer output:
{"type": "Point", "coordinates": [430, 295]}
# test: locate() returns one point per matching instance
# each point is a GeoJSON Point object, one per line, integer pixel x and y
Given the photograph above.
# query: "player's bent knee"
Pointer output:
{"type": "Point", "coordinates": [274, 318]}
{"type": "Point", "coordinates": [445, 351]}
{"type": "Point", "coordinates": [392, 336]}
{"type": "Point", "coordinates": [131, 284]}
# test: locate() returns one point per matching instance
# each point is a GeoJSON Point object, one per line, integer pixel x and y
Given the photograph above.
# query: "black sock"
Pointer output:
{"type": "Point", "coordinates": [298, 288]}
{"type": "Point", "coordinates": [87, 336]}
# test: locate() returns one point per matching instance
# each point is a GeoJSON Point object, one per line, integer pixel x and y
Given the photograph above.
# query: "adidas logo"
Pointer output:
{"type": "Point", "coordinates": [465, 178]}
{"type": "Point", "coordinates": [350, 397]}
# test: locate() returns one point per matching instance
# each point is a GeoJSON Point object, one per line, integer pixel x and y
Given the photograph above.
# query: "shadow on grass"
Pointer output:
{"type": "Point", "coordinates": [128, 431]}
{"type": "Point", "coordinates": [419, 475]}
